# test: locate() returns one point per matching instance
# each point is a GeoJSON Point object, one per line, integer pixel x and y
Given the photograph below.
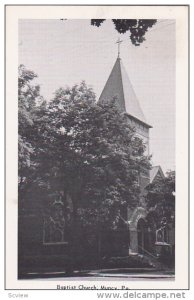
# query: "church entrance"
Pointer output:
{"type": "Point", "coordinates": [142, 235]}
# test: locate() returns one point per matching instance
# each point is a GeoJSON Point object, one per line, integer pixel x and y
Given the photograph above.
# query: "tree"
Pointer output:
{"type": "Point", "coordinates": [89, 152]}
{"type": "Point", "coordinates": [136, 28]}
{"type": "Point", "coordinates": [30, 103]}
{"type": "Point", "coordinates": [78, 160]}
{"type": "Point", "coordinates": [161, 199]}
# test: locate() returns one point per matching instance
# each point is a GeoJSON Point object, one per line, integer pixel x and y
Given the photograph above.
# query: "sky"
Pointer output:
{"type": "Point", "coordinates": [63, 53]}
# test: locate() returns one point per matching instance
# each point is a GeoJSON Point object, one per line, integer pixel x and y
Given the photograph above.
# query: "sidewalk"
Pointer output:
{"type": "Point", "coordinates": [130, 273]}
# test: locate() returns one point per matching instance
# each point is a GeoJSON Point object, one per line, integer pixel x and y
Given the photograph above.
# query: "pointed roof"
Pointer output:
{"type": "Point", "coordinates": [156, 171]}
{"type": "Point", "coordinates": [119, 85]}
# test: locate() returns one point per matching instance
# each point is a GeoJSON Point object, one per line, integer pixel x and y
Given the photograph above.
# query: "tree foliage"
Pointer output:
{"type": "Point", "coordinates": [82, 152]}
{"type": "Point", "coordinates": [161, 198]}
{"type": "Point", "coordinates": [30, 103]}
{"type": "Point", "coordinates": [91, 154]}
{"type": "Point", "coordinates": [136, 28]}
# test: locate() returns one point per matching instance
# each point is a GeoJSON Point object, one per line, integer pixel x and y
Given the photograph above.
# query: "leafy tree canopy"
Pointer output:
{"type": "Point", "coordinates": [161, 198]}
{"type": "Point", "coordinates": [89, 151]}
{"type": "Point", "coordinates": [136, 28]}
{"type": "Point", "coordinates": [30, 103]}
{"type": "Point", "coordinates": [77, 150]}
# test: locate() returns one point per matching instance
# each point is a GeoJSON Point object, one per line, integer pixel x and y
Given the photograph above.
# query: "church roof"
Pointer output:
{"type": "Point", "coordinates": [118, 85]}
{"type": "Point", "coordinates": [156, 170]}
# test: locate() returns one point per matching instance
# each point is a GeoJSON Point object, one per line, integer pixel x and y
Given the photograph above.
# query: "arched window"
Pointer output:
{"type": "Point", "coordinates": [55, 225]}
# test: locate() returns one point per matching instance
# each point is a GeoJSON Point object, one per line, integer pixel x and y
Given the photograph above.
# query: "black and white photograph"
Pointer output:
{"type": "Point", "coordinates": [97, 150]}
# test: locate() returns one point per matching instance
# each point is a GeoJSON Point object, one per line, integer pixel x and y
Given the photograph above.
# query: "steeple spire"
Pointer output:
{"type": "Point", "coordinates": [119, 42]}
{"type": "Point", "coordinates": [119, 85]}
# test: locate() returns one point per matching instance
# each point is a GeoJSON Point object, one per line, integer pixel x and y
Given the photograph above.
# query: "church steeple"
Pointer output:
{"type": "Point", "coordinates": [118, 85]}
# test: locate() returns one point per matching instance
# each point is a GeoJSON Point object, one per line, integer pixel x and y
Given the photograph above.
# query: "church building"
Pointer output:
{"type": "Point", "coordinates": [43, 242]}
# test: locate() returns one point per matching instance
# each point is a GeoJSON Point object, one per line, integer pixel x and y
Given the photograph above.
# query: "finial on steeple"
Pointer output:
{"type": "Point", "coordinates": [119, 42]}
